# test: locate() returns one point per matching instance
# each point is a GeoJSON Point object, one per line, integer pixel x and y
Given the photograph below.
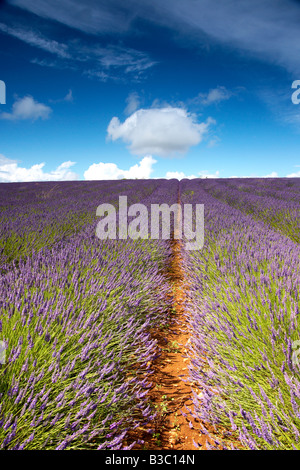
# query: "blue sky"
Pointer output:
{"type": "Point", "coordinates": [110, 89]}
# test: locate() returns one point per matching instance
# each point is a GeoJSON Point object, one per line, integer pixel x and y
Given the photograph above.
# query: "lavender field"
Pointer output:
{"type": "Point", "coordinates": [77, 314]}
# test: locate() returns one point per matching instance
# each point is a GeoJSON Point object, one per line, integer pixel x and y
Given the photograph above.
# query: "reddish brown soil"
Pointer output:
{"type": "Point", "coordinates": [170, 394]}
{"type": "Point", "coordinates": [174, 428]}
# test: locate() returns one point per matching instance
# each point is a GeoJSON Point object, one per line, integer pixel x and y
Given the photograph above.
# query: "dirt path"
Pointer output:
{"type": "Point", "coordinates": [171, 392]}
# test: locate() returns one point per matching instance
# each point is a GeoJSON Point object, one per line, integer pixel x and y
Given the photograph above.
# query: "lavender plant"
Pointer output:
{"type": "Point", "coordinates": [278, 209]}
{"type": "Point", "coordinates": [76, 316]}
{"type": "Point", "coordinates": [244, 290]}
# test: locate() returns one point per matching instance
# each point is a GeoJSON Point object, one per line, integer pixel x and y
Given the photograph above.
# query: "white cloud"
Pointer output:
{"type": "Point", "coordinates": [36, 40]}
{"type": "Point", "coordinates": [4, 160]}
{"type": "Point", "coordinates": [160, 131]}
{"type": "Point", "coordinates": [133, 103]}
{"type": "Point", "coordinates": [108, 62]}
{"type": "Point", "coordinates": [213, 142]}
{"type": "Point", "coordinates": [117, 56]}
{"type": "Point", "coordinates": [27, 108]}
{"type": "Point", "coordinates": [180, 175]}
{"type": "Point", "coordinates": [266, 29]}
{"type": "Point", "coordinates": [273, 174]}
{"type": "Point", "coordinates": [11, 172]}
{"type": "Point", "coordinates": [214, 96]}
{"type": "Point", "coordinates": [205, 174]}
{"type": "Point", "coordinates": [90, 16]}
{"type": "Point", "coordinates": [110, 171]}
{"type": "Point", "coordinates": [45, 63]}
{"type": "Point", "coordinates": [68, 97]}
{"type": "Point", "coordinates": [99, 62]}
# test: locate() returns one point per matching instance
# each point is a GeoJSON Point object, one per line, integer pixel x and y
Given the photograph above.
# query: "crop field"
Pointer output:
{"type": "Point", "coordinates": [86, 323]}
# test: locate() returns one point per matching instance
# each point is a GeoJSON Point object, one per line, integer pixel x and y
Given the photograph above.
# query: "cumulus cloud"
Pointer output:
{"type": "Point", "coordinates": [294, 175]}
{"type": "Point", "coordinates": [4, 160]}
{"type": "Point", "coordinates": [110, 171]}
{"type": "Point", "coordinates": [27, 108]}
{"type": "Point", "coordinates": [160, 131]}
{"type": "Point", "coordinates": [11, 172]}
{"type": "Point", "coordinates": [206, 174]}
{"type": "Point", "coordinates": [178, 175]}
{"type": "Point", "coordinates": [273, 174]}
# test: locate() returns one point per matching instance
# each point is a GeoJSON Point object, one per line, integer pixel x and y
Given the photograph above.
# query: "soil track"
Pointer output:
{"type": "Point", "coordinates": [171, 392]}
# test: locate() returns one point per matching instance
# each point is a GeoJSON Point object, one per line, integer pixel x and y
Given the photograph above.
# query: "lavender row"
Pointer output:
{"type": "Point", "coordinates": [76, 320]}
{"type": "Point", "coordinates": [243, 315]}
{"type": "Point", "coordinates": [287, 189]}
{"type": "Point", "coordinates": [283, 215]}
{"type": "Point", "coordinates": [34, 215]}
